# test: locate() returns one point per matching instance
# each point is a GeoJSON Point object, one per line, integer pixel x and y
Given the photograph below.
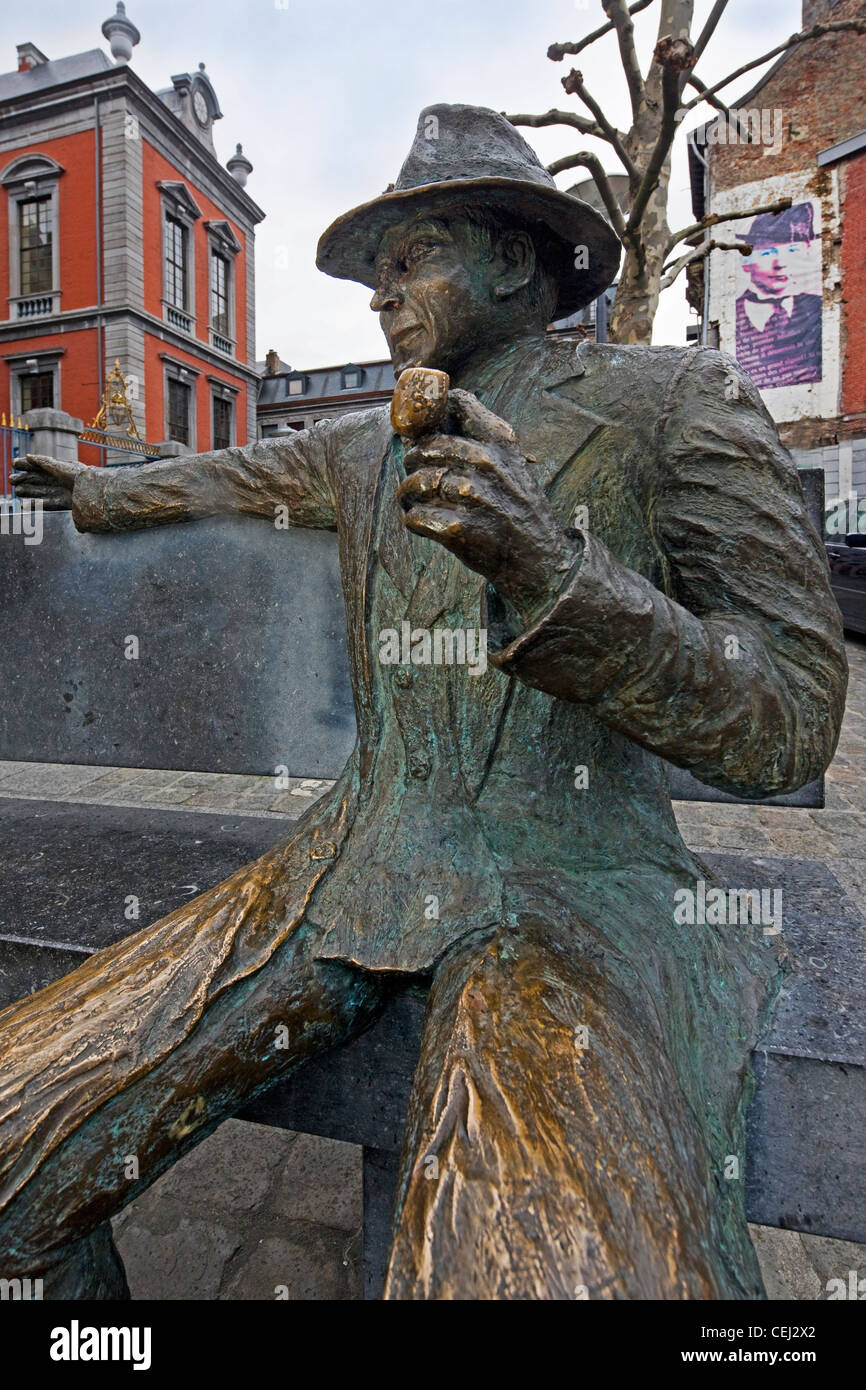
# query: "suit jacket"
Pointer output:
{"type": "Point", "coordinates": [698, 627]}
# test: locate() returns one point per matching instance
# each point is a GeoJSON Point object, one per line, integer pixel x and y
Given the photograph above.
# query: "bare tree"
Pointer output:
{"type": "Point", "coordinates": [658, 107]}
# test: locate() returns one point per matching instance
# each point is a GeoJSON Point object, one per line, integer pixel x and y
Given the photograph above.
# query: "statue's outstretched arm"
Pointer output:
{"type": "Point", "coordinates": [292, 473]}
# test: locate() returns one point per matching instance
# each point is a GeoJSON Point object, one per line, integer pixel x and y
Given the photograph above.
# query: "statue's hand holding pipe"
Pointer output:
{"type": "Point", "coordinates": [471, 489]}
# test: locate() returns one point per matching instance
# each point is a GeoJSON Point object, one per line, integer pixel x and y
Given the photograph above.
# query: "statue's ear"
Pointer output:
{"type": "Point", "coordinates": [516, 256]}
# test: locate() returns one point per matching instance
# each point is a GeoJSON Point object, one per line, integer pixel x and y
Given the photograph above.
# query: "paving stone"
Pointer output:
{"type": "Point", "coordinates": [835, 1259]}
{"type": "Point", "coordinates": [312, 1263]}
{"type": "Point", "coordinates": [233, 1169]}
{"type": "Point", "coordinates": [785, 1266]}
{"type": "Point", "coordinates": [320, 1181]}
{"type": "Point", "coordinates": [184, 1262]}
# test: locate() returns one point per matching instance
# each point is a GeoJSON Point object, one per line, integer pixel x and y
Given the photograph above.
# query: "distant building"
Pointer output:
{"type": "Point", "coordinates": [126, 240]}
{"type": "Point", "coordinates": [793, 310]}
{"type": "Point", "coordinates": [295, 400]}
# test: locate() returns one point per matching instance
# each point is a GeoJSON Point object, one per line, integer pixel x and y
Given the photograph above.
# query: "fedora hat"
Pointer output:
{"type": "Point", "coordinates": [769, 228]}
{"type": "Point", "coordinates": [469, 154]}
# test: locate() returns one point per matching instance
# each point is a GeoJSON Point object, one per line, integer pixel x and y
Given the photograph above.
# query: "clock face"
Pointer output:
{"type": "Point", "coordinates": [199, 105]}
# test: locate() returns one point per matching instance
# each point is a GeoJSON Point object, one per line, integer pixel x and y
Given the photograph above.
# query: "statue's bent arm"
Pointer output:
{"type": "Point", "coordinates": [737, 671]}
{"type": "Point", "coordinates": [292, 473]}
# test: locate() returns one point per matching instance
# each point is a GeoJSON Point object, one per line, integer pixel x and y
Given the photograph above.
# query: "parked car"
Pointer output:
{"type": "Point", "coordinates": [848, 578]}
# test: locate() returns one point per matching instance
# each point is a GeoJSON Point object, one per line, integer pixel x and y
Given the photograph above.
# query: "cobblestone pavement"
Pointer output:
{"type": "Point", "coordinates": [255, 1212]}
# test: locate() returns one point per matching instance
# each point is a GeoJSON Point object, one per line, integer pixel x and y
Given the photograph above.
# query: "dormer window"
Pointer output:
{"type": "Point", "coordinates": [351, 377]}
{"type": "Point", "coordinates": [296, 384]}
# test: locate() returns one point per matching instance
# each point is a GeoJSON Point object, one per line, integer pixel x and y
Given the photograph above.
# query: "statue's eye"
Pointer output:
{"type": "Point", "coordinates": [419, 250]}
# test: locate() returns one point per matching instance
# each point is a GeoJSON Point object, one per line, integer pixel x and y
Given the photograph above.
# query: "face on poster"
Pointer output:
{"type": "Point", "coordinates": [778, 330]}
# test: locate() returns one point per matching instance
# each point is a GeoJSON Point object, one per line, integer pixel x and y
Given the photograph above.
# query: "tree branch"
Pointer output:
{"type": "Point", "coordinates": [573, 85]}
{"type": "Point", "coordinates": [619, 14]}
{"type": "Point", "coordinates": [589, 161]}
{"type": "Point", "coordinates": [816, 32]}
{"type": "Point", "coordinates": [674, 57]}
{"type": "Point", "coordinates": [675, 268]}
{"type": "Point", "coordinates": [557, 51]}
{"type": "Point", "coordinates": [741, 131]}
{"type": "Point", "coordinates": [554, 117]}
{"type": "Point", "coordinates": [713, 218]}
{"type": "Point", "coordinates": [710, 27]}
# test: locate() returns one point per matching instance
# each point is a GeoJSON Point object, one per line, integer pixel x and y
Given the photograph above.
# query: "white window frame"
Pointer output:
{"type": "Point", "coordinates": [32, 176]}
{"type": "Point", "coordinates": [221, 241]}
{"type": "Point", "coordinates": [47, 360]}
{"type": "Point", "coordinates": [220, 390]}
{"type": "Point", "coordinates": [177, 202]}
{"type": "Point", "coordinates": [175, 370]}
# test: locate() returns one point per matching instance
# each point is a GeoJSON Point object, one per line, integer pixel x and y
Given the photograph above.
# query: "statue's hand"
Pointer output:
{"type": "Point", "coordinates": [47, 479]}
{"type": "Point", "coordinates": [475, 493]}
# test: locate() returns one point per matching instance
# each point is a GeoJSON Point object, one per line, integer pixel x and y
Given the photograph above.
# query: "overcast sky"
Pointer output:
{"type": "Point", "coordinates": [325, 95]}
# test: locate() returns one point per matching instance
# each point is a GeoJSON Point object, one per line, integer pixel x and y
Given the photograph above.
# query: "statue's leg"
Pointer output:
{"type": "Point", "coordinates": [542, 1162]}
{"type": "Point", "coordinates": [116, 1070]}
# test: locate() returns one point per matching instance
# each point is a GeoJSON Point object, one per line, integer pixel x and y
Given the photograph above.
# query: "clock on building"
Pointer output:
{"type": "Point", "coordinates": [199, 106]}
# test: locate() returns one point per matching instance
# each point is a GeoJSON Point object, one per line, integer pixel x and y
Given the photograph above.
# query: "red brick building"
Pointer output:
{"type": "Point", "coordinates": [124, 239]}
{"type": "Point", "coordinates": [808, 113]}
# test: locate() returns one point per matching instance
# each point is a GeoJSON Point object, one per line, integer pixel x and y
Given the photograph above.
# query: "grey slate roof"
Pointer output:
{"type": "Point", "coordinates": [325, 382]}
{"type": "Point", "coordinates": [19, 84]}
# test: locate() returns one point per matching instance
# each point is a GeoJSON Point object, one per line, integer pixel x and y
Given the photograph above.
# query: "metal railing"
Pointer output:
{"type": "Point", "coordinates": [133, 450]}
{"type": "Point", "coordinates": [13, 446]}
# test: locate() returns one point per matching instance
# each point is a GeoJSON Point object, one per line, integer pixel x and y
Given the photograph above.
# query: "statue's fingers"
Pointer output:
{"type": "Point", "coordinates": [64, 472]}
{"type": "Point", "coordinates": [446, 449]}
{"type": "Point", "coordinates": [439, 523]}
{"type": "Point", "coordinates": [420, 486]}
{"type": "Point", "coordinates": [30, 485]}
{"type": "Point", "coordinates": [476, 421]}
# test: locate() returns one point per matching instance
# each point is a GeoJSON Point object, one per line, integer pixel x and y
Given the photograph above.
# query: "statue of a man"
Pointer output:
{"type": "Point", "coordinates": [626, 528]}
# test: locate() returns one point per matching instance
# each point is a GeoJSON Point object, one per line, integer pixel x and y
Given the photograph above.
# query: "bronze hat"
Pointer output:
{"type": "Point", "coordinates": [473, 154]}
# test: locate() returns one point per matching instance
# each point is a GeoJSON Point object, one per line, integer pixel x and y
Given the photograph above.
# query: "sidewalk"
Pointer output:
{"type": "Point", "coordinates": [252, 1210]}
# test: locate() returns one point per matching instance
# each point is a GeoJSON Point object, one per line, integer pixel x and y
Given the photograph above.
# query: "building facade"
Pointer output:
{"type": "Point", "coordinates": [124, 240]}
{"type": "Point", "coordinates": [295, 400]}
{"type": "Point", "coordinates": [792, 309]}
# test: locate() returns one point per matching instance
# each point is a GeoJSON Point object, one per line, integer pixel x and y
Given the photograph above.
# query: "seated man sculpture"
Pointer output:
{"type": "Point", "coordinates": [627, 530]}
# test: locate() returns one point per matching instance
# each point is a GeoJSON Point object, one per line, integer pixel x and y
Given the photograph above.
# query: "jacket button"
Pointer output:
{"type": "Point", "coordinates": [403, 677]}
{"type": "Point", "coordinates": [420, 768]}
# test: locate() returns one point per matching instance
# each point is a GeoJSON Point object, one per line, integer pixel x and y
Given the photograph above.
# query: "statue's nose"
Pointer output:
{"type": "Point", "coordinates": [386, 297]}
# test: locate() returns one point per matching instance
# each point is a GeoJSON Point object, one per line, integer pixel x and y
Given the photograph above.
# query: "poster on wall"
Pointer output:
{"type": "Point", "coordinates": [778, 310]}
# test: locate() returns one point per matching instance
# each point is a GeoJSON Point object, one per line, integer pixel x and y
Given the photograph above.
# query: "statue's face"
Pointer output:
{"type": "Point", "coordinates": [434, 294]}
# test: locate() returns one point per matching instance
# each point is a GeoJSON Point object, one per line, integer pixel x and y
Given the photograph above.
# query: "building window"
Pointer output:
{"type": "Point", "coordinates": [31, 184]}
{"type": "Point", "coordinates": [222, 422]}
{"type": "Point", "coordinates": [35, 246]}
{"type": "Point", "coordinates": [224, 248]}
{"type": "Point", "coordinates": [219, 294]}
{"type": "Point", "coordinates": [34, 381]}
{"type": "Point", "coordinates": [37, 391]}
{"type": "Point", "coordinates": [296, 384]}
{"type": "Point", "coordinates": [179, 396]}
{"type": "Point", "coordinates": [180, 213]}
{"type": "Point", "coordinates": [351, 377]}
{"type": "Point", "coordinates": [175, 262]}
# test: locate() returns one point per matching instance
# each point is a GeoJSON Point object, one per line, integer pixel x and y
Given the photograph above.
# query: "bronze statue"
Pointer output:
{"type": "Point", "coordinates": [624, 539]}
